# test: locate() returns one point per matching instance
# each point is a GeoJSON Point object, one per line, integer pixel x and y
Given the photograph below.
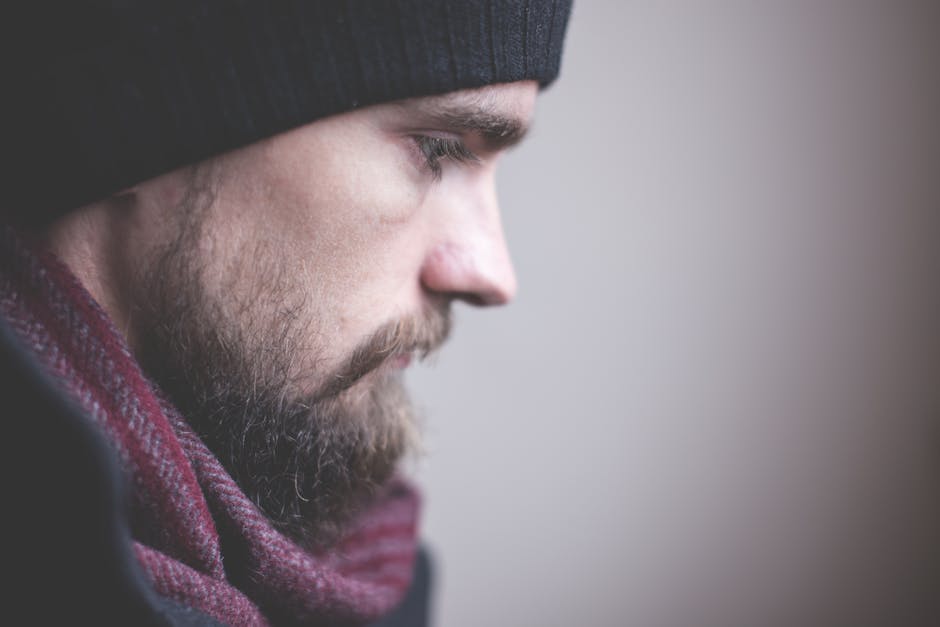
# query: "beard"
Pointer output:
{"type": "Point", "coordinates": [309, 447]}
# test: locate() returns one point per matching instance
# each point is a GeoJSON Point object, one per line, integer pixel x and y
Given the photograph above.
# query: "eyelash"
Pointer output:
{"type": "Point", "coordinates": [437, 149]}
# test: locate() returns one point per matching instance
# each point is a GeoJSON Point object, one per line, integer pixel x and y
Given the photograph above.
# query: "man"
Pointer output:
{"type": "Point", "coordinates": [232, 226]}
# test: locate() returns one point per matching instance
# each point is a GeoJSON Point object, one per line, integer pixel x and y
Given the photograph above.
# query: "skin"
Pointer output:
{"type": "Point", "coordinates": [371, 232]}
{"type": "Point", "coordinates": [274, 293]}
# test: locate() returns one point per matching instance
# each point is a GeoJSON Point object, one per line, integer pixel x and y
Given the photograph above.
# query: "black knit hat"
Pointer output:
{"type": "Point", "coordinates": [105, 94]}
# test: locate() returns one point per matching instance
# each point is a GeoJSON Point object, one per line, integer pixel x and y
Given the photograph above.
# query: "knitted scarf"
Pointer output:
{"type": "Point", "coordinates": [198, 538]}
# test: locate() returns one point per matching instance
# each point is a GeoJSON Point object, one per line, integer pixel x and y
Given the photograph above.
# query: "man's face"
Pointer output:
{"type": "Point", "coordinates": [294, 279]}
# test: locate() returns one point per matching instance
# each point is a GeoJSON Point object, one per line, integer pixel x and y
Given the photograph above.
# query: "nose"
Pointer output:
{"type": "Point", "coordinates": [470, 260]}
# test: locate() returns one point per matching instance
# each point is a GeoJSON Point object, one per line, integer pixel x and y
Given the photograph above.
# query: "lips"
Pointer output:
{"type": "Point", "coordinates": [402, 361]}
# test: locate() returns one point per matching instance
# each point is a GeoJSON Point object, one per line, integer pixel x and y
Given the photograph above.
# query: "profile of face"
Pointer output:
{"type": "Point", "coordinates": [276, 293]}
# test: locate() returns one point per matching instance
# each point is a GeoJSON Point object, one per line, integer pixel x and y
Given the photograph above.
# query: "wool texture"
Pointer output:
{"type": "Point", "coordinates": [200, 541]}
{"type": "Point", "coordinates": [101, 94]}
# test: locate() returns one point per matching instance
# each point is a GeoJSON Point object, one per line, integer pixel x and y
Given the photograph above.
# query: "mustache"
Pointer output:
{"type": "Point", "coordinates": [413, 335]}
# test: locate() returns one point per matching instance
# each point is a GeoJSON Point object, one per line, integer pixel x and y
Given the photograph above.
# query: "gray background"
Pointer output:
{"type": "Point", "coordinates": [715, 400]}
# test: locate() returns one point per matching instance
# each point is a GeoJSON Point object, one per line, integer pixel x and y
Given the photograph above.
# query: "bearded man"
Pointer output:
{"type": "Point", "coordinates": [229, 229]}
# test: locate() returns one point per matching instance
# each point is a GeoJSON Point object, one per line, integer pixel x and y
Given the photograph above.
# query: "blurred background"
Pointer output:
{"type": "Point", "coordinates": [716, 400]}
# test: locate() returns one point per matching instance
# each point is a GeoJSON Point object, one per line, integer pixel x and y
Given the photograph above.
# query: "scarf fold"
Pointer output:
{"type": "Point", "coordinates": [199, 539]}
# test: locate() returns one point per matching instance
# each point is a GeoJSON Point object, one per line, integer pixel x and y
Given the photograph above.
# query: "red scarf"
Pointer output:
{"type": "Point", "coordinates": [182, 498]}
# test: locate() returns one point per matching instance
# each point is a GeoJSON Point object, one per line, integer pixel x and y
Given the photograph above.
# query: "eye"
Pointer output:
{"type": "Point", "coordinates": [437, 149]}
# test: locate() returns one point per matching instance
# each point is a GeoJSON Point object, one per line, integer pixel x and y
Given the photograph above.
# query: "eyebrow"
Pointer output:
{"type": "Point", "coordinates": [498, 129]}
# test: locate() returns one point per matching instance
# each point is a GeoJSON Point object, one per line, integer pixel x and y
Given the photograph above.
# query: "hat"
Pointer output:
{"type": "Point", "coordinates": [102, 95]}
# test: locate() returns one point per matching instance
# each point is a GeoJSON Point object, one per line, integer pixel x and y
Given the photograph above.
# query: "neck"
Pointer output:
{"type": "Point", "coordinates": [92, 241]}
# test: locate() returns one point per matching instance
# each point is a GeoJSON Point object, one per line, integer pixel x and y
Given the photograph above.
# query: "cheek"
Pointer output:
{"type": "Point", "coordinates": [341, 188]}
{"type": "Point", "coordinates": [343, 212]}
{"type": "Point", "coordinates": [357, 228]}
